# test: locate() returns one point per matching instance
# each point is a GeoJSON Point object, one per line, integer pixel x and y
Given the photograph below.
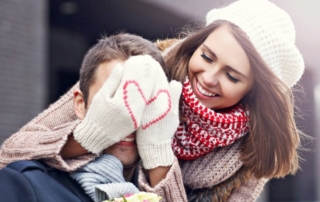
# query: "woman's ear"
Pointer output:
{"type": "Point", "coordinates": [79, 106]}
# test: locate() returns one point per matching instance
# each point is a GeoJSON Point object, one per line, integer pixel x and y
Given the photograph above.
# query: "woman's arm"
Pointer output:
{"type": "Point", "coordinates": [44, 137]}
{"type": "Point", "coordinates": [170, 188]}
{"type": "Point", "coordinates": [157, 174]}
{"type": "Point", "coordinates": [72, 149]}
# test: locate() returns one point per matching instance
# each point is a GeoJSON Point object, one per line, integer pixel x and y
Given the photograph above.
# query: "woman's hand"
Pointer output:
{"type": "Point", "coordinates": [116, 110]}
{"type": "Point", "coordinates": [159, 123]}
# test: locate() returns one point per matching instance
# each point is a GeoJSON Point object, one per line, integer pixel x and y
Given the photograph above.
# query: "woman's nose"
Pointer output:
{"type": "Point", "coordinates": [210, 77]}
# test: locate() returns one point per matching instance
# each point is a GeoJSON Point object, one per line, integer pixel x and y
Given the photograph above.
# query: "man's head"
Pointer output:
{"type": "Point", "coordinates": [97, 67]}
{"type": "Point", "coordinates": [118, 47]}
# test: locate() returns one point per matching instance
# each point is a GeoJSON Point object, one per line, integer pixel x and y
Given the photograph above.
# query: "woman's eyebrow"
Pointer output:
{"type": "Point", "coordinates": [214, 55]}
{"type": "Point", "coordinates": [209, 50]}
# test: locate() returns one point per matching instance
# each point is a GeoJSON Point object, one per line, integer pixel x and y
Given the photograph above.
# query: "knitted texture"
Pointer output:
{"type": "Point", "coordinates": [247, 193]}
{"type": "Point", "coordinates": [170, 189]}
{"type": "Point", "coordinates": [270, 30]}
{"type": "Point", "coordinates": [116, 110]}
{"type": "Point", "coordinates": [45, 135]}
{"type": "Point", "coordinates": [104, 170]}
{"type": "Point", "coordinates": [225, 162]}
{"type": "Point", "coordinates": [210, 170]}
{"type": "Point", "coordinates": [206, 129]}
{"type": "Point", "coordinates": [227, 190]}
{"type": "Point", "coordinates": [159, 123]}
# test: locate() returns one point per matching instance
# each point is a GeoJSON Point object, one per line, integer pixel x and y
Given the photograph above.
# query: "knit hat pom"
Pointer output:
{"type": "Point", "coordinates": [270, 30]}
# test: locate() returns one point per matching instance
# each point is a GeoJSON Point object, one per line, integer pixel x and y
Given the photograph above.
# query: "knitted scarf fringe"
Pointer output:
{"type": "Point", "coordinates": [221, 192]}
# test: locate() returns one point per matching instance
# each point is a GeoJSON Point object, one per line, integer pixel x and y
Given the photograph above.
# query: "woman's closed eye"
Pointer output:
{"type": "Point", "coordinates": [232, 78]}
{"type": "Point", "coordinates": [206, 58]}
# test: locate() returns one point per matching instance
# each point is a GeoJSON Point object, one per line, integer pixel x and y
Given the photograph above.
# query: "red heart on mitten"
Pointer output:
{"type": "Point", "coordinates": [161, 98]}
{"type": "Point", "coordinates": [163, 102]}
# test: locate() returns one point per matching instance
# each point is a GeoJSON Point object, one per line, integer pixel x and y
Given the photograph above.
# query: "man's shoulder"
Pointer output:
{"type": "Point", "coordinates": [35, 181]}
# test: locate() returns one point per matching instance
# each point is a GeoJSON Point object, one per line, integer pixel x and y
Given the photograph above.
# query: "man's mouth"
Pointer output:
{"type": "Point", "coordinates": [128, 139]}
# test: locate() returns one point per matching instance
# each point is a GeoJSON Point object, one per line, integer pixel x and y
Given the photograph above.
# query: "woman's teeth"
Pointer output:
{"type": "Point", "coordinates": [204, 92]}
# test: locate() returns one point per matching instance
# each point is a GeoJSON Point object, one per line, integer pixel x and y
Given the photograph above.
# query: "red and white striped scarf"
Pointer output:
{"type": "Point", "coordinates": [206, 129]}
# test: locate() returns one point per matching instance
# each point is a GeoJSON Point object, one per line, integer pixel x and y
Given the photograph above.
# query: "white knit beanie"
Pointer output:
{"type": "Point", "coordinates": [270, 30]}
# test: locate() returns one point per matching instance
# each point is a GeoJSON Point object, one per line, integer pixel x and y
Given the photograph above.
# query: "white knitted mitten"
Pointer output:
{"type": "Point", "coordinates": [117, 108]}
{"type": "Point", "coordinates": [159, 123]}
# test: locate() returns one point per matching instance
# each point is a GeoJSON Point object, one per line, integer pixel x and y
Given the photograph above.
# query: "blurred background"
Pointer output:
{"type": "Point", "coordinates": [42, 44]}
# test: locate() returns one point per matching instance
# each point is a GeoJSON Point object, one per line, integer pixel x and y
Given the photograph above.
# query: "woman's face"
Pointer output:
{"type": "Point", "coordinates": [219, 70]}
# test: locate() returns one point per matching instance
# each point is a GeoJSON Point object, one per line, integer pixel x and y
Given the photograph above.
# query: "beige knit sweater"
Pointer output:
{"type": "Point", "coordinates": [44, 136]}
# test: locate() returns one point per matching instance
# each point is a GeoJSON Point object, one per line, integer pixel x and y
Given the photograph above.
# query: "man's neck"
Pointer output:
{"type": "Point", "coordinates": [128, 170]}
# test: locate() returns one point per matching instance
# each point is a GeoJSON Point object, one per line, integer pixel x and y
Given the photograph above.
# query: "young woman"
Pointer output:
{"type": "Point", "coordinates": [237, 74]}
{"type": "Point", "coordinates": [237, 128]}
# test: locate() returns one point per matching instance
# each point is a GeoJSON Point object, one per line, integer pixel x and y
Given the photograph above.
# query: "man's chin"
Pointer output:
{"type": "Point", "coordinates": [126, 154]}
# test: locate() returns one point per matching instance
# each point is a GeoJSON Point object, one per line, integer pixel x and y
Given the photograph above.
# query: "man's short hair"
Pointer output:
{"type": "Point", "coordinates": [120, 46]}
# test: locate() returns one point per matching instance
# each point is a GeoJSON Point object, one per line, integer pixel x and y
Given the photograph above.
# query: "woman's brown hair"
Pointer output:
{"type": "Point", "coordinates": [270, 148]}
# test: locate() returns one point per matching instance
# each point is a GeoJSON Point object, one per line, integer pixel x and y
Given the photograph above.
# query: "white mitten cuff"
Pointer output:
{"type": "Point", "coordinates": [88, 134]}
{"type": "Point", "coordinates": [157, 154]}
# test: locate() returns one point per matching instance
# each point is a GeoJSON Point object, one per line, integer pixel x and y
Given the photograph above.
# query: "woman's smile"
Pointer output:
{"type": "Point", "coordinates": [203, 91]}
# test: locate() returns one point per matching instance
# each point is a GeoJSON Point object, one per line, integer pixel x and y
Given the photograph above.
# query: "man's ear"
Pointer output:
{"type": "Point", "coordinates": [79, 104]}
